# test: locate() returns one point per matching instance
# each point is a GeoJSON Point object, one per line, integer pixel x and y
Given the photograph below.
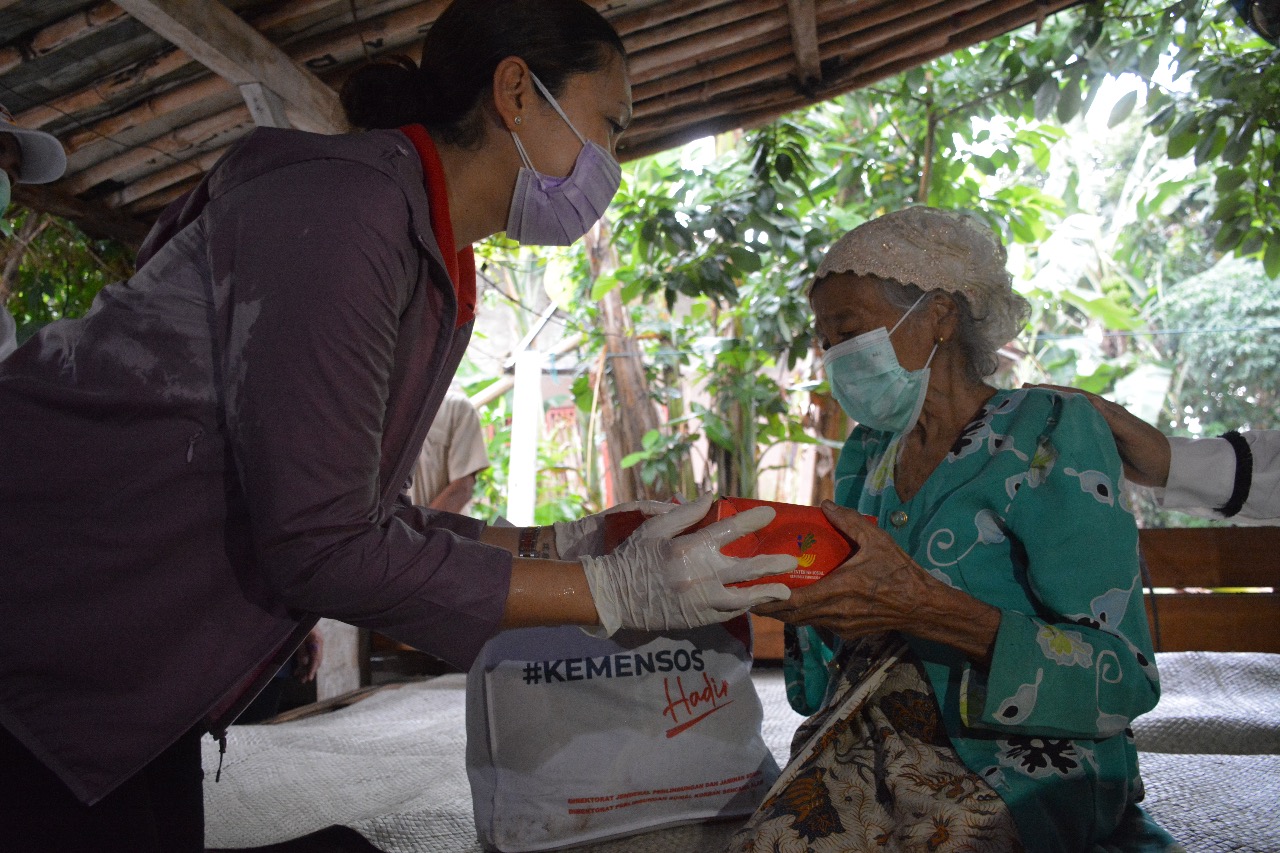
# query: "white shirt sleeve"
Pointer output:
{"type": "Point", "coordinates": [1202, 475]}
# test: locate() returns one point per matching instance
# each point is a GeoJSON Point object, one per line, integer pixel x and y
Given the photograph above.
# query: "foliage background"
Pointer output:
{"type": "Point", "coordinates": [1126, 152]}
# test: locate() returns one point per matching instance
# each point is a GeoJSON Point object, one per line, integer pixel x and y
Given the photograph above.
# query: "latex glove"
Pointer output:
{"type": "Point", "coordinates": [659, 583]}
{"type": "Point", "coordinates": [584, 537]}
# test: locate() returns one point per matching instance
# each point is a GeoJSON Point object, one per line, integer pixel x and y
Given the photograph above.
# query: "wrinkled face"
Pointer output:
{"type": "Point", "coordinates": [846, 305]}
{"type": "Point", "coordinates": [10, 155]}
{"type": "Point", "coordinates": [598, 104]}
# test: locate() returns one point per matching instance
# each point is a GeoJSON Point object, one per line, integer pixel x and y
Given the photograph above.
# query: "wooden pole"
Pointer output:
{"type": "Point", "coordinates": [802, 15]}
{"type": "Point", "coordinates": [231, 48]}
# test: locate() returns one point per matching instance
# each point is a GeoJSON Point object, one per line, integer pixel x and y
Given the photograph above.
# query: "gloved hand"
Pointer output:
{"type": "Point", "coordinates": [584, 537]}
{"type": "Point", "coordinates": [653, 582]}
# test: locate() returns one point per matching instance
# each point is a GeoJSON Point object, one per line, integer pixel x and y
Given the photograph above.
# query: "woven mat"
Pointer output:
{"type": "Point", "coordinates": [392, 768]}
{"type": "Point", "coordinates": [1214, 702]}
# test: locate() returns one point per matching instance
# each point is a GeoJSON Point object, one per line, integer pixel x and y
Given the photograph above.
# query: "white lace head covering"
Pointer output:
{"type": "Point", "coordinates": [936, 249]}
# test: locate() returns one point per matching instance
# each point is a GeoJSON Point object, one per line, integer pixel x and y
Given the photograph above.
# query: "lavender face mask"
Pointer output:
{"type": "Point", "coordinates": [550, 211]}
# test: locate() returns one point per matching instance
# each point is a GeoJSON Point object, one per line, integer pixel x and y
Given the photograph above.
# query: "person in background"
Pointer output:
{"type": "Point", "coordinates": [213, 458]}
{"type": "Point", "coordinates": [1236, 475]}
{"type": "Point", "coordinates": [303, 666]}
{"type": "Point", "coordinates": [444, 475]}
{"type": "Point", "coordinates": [26, 157]}
{"type": "Point", "coordinates": [990, 644]}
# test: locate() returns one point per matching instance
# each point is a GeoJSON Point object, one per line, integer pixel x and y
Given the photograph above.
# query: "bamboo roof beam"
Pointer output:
{"type": "Point", "coordinates": [162, 199]}
{"type": "Point", "coordinates": [122, 84]}
{"type": "Point", "coordinates": [761, 105]}
{"type": "Point", "coordinates": [207, 89]}
{"type": "Point", "coordinates": [61, 33]}
{"type": "Point", "coordinates": [231, 48]}
{"type": "Point", "coordinates": [704, 74]}
{"type": "Point", "coordinates": [683, 51]}
{"type": "Point", "coordinates": [657, 14]}
{"type": "Point", "coordinates": [336, 48]}
{"type": "Point", "coordinates": [165, 178]}
{"type": "Point", "coordinates": [695, 26]}
{"type": "Point", "coordinates": [802, 14]}
{"type": "Point", "coordinates": [161, 149]}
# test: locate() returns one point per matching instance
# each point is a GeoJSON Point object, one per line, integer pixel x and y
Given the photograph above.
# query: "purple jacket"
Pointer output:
{"type": "Point", "coordinates": [214, 455]}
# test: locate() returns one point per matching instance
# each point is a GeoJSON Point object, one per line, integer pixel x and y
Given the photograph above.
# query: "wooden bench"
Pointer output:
{"type": "Point", "coordinates": [1223, 561]}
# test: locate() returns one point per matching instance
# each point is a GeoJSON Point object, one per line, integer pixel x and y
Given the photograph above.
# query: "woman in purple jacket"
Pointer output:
{"type": "Point", "coordinates": [214, 456]}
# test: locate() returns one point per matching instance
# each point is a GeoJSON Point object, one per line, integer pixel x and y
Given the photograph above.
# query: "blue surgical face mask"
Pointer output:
{"type": "Point", "coordinates": [5, 191]}
{"type": "Point", "coordinates": [871, 385]}
{"type": "Point", "coordinates": [551, 211]}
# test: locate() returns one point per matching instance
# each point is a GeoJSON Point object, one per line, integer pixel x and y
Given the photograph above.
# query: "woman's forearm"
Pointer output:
{"type": "Point", "coordinates": [548, 592]}
{"type": "Point", "coordinates": [959, 620]}
{"type": "Point", "coordinates": [544, 590]}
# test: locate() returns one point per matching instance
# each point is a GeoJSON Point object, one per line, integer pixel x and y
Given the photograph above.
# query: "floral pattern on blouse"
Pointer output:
{"type": "Point", "coordinates": [1025, 513]}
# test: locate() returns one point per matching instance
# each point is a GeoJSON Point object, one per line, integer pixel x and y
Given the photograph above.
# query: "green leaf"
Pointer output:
{"type": "Point", "coordinates": [1271, 260]}
{"type": "Point", "coordinates": [1210, 145]}
{"type": "Point", "coordinates": [1237, 149]}
{"type": "Point", "coordinates": [602, 285]}
{"type": "Point", "coordinates": [1181, 144]}
{"type": "Point", "coordinates": [633, 459]}
{"type": "Point", "coordinates": [1229, 180]}
{"type": "Point", "coordinates": [1106, 310]}
{"type": "Point", "coordinates": [1069, 101]}
{"type": "Point", "coordinates": [1046, 98]}
{"type": "Point", "coordinates": [1122, 108]}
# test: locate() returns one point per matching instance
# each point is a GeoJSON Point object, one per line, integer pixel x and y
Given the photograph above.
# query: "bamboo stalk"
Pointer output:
{"type": "Point", "coordinates": [764, 105]}
{"type": "Point", "coordinates": [71, 29]}
{"type": "Point", "coordinates": [922, 22]}
{"type": "Point", "coordinates": [655, 14]}
{"type": "Point", "coordinates": [685, 50]}
{"type": "Point", "coordinates": [165, 178]}
{"type": "Point", "coordinates": [118, 85]}
{"type": "Point", "coordinates": [694, 26]}
{"type": "Point", "coordinates": [652, 79]}
{"type": "Point", "coordinates": [317, 51]}
{"type": "Point", "coordinates": [151, 69]}
{"type": "Point", "coordinates": [10, 58]}
{"type": "Point", "coordinates": [705, 73]}
{"type": "Point", "coordinates": [718, 85]}
{"type": "Point", "coordinates": [162, 199]}
{"type": "Point", "coordinates": [207, 88]}
{"type": "Point", "coordinates": [157, 150]}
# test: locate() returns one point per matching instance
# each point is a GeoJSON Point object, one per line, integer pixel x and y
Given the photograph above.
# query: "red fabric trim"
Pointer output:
{"type": "Point", "coordinates": [461, 265]}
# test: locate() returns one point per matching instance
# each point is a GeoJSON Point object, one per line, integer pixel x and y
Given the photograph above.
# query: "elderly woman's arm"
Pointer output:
{"type": "Point", "coordinates": [1082, 664]}
{"type": "Point", "coordinates": [881, 588]}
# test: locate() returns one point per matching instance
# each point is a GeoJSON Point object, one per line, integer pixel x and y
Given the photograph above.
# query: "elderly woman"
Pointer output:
{"type": "Point", "coordinates": [989, 637]}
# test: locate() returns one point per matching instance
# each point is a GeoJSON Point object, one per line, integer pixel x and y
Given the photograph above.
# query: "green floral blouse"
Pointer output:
{"type": "Point", "coordinates": [1026, 513]}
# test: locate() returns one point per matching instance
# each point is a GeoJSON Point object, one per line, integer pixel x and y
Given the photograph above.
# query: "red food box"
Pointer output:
{"type": "Point", "coordinates": [802, 531]}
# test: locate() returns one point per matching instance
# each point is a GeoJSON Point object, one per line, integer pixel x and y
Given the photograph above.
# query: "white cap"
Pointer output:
{"type": "Point", "coordinates": [936, 249]}
{"type": "Point", "coordinates": [43, 159]}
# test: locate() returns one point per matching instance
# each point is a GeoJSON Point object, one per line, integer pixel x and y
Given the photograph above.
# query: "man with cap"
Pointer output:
{"type": "Point", "coordinates": [26, 157]}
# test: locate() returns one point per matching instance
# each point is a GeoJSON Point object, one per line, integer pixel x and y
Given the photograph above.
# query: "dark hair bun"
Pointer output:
{"type": "Point", "coordinates": [386, 93]}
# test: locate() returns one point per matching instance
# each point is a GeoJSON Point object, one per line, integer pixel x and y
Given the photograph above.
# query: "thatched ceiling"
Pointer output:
{"type": "Point", "coordinates": [146, 94]}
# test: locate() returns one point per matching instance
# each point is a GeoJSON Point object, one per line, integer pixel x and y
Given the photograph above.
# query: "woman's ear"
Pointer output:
{"type": "Point", "coordinates": [946, 317]}
{"type": "Point", "coordinates": [512, 91]}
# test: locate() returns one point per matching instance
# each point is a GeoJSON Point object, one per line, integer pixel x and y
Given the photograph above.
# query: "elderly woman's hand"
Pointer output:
{"type": "Point", "coordinates": [1143, 449]}
{"type": "Point", "coordinates": [880, 588]}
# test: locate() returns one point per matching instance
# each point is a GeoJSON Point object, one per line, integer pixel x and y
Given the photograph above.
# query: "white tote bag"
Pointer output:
{"type": "Point", "coordinates": [573, 738]}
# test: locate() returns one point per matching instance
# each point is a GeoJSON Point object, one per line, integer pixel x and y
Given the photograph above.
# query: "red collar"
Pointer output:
{"type": "Point", "coordinates": [462, 265]}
